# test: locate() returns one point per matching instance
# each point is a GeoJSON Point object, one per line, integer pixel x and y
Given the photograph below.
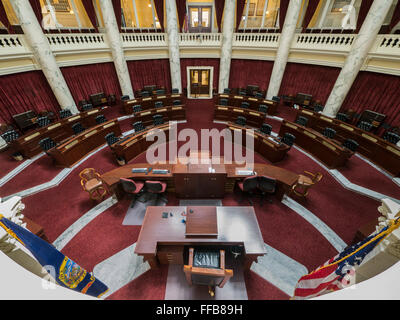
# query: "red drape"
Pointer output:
{"type": "Point", "coordinates": [197, 62]}
{"type": "Point", "coordinates": [150, 72]}
{"type": "Point", "coordinates": [118, 14]}
{"type": "Point", "coordinates": [25, 91]}
{"type": "Point", "coordinates": [396, 17]}
{"type": "Point", "coordinates": [88, 4]}
{"type": "Point", "coordinates": [159, 4]}
{"type": "Point", "coordinates": [365, 6]}
{"type": "Point", "coordinates": [4, 18]}
{"type": "Point", "coordinates": [239, 11]}
{"type": "Point", "coordinates": [37, 10]}
{"type": "Point", "coordinates": [312, 6]}
{"type": "Point", "coordinates": [181, 7]}
{"type": "Point", "coordinates": [284, 4]}
{"type": "Point", "coordinates": [90, 79]}
{"type": "Point", "coordinates": [377, 92]}
{"type": "Point", "coordinates": [219, 10]}
{"type": "Point", "coordinates": [250, 72]}
{"type": "Point", "coordinates": [309, 79]}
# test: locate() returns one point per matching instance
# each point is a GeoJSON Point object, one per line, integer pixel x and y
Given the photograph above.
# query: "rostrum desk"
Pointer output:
{"type": "Point", "coordinates": [235, 100]}
{"type": "Point", "coordinates": [28, 144]}
{"type": "Point", "coordinates": [384, 154]}
{"type": "Point", "coordinates": [148, 102]}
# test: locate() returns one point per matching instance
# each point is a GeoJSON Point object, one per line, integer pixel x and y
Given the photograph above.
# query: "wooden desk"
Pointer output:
{"type": "Point", "coordinates": [171, 113]}
{"type": "Point", "coordinates": [267, 146]}
{"type": "Point", "coordinates": [148, 102]}
{"type": "Point", "coordinates": [384, 154]}
{"type": "Point", "coordinates": [162, 240]}
{"type": "Point", "coordinates": [71, 150]}
{"type": "Point", "coordinates": [326, 150]}
{"type": "Point", "coordinates": [229, 114]}
{"type": "Point", "coordinates": [235, 100]}
{"type": "Point", "coordinates": [28, 144]}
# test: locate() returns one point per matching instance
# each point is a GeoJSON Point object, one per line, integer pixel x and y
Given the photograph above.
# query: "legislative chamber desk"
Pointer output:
{"type": "Point", "coordinates": [269, 147]}
{"type": "Point", "coordinates": [28, 144]}
{"type": "Point", "coordinates": [229, 114]}
{"type": "Point", "coordinates": [148, 102]}
{"type": "Point", "coordinates": [384, 154]}
{"type": "Point", "coordinates": [235, 100]}
{"type": "Point", "coordinates": [170, 113]}
{"type": "Point", "coordinates": [328, 151]}
{"type": "Point", "coordinates": [163, 240]}
{"type": "Point", "coordinates": [73, 149]}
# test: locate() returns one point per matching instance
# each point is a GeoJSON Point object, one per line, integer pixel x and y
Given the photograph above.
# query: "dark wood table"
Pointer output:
{"type": "Point", "coordinates": [149, 102]}
{"type": "Point", "coordinates": [235, 100]}
{"type": "Point", "coordinates": [163, 240]}
{"type": "Point", "coordinates": [169, 113]}
{"type": "Point", "coordinates": [230, 114]}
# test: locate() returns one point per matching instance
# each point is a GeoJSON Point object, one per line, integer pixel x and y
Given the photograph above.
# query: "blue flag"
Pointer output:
{"type": "Point", "coordinates": [67, 273]}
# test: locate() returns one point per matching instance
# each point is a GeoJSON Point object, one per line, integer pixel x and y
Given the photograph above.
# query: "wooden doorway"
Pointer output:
{"type": "Point", "coordinates": [200, 82]}
{"type": "Point", "coordinates": [200, 18]}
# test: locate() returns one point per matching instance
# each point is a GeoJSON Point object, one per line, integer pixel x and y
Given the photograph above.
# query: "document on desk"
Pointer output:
{"type": "Point", "coordinates": [245, 172]}
{"type": "Point", "coordinates": [139, 170]}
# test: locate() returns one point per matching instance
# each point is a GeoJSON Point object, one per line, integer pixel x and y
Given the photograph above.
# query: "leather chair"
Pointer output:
{"type": "Point", "coordinates": [245, 105]}
{"type": "Point", "coordinates": [145, 94]}
{"type": "Point", "coordinates": [100, 119]}
{"type": "Point", "coordinates": [138, 126]}
{"type": "Point", "coordinates": [132, 187]}
{"type": "Point", "coordinates": [207, 267]}
{"type": "Point", "coordinates": [241, 121]}
{"type": "Point", "coordinates": [259, 95]}
{"type": "Point", "coordinates": [10, 135]}
{"type": "Point", "coordinates": [111, 138]}
{"type": "Point", "coordinates": [248, 186]}
{"type": "Point", "coordinates": [223, 102]}
{"type": "Point", "coordinates": [92, 183]}
{"type": "Point", "coordinates": [266, 128]}
{"type": "Point", "coordinates": [263, 108]}
{"type": "Point", "coordinates": [136, 108]}
{"type": "Point", "coordinates": [302, 121]}
{"type": "Point", "coordinates": [266, 185]}
{"type": "Point", "coordinates": [366, 126]}
{"type": "Point", "coordinates": [155, 187]}
{"type": "Point", "coordinates": [160, 91]}
{"type": "Point", "coordinates": [318, 108]}
{"type": "Point", "coordinates": [288, 139]}
{"type": "Point", "coordinates": [227, 91]}
{"type": "Point", "coordinates": [342, 117]}
{"type": "Point", "coordinates": [124, 97]}
{"type": "Point", "coordinates": [158, 104]}
{"type": "Point", "coordinates": [43, 121]}
{"type": "Point", "coordinates": [65, 113]}
{"type": "Point", "coordinates": [174, 91]}
{"type": "Point", "coordinates": [87, 107]}
{"type": "Point", "coordinates": [276, 99]}
{"type": "Point", "coordinates": [242, 92]}
{"type": "Point", "coordinates": [305, 182]}
{"type": "Point", "coordinates": [351, 144]}
{"type": "Point", "coordinates": [158, 119]}
{"type": "Point", "coordinates": [391, 137]}
{"type": "Point", "coordinates": [177, 102]}
{"type": "Point", "coordinates": [77, 128]}
{"type": "Point", "coordinates": [329, 133]}
{"type": "Point", "coordinates": [46, 144]}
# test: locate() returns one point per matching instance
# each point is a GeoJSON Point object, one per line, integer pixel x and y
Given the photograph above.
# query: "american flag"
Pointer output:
{"type": "Point", "coordinates": [339, 272]}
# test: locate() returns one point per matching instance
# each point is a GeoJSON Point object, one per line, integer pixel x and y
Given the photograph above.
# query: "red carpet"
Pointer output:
{"type": "Point", "coordinates": [7, 162]}
{"type": "Point", "coordinates": [260, 289]}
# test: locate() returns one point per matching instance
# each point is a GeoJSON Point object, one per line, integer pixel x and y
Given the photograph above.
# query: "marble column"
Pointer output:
{"type": "Point", "coordinates": [226, 45]}
{"type": "Point", "coordinates": [358, 53]}
{"type": "Point", "coordinates": [285, 42]}
{"type": "Point", "coordinates": [40, 47]}
{"type": "Point", "coordinates": [115, 44]}
{"type": "Point", "coordinates": [173, 44]}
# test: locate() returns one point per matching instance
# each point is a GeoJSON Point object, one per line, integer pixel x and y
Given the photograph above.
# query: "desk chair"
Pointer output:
{"type": "Point", "coordinates": [158, 104]}
{"type": "Point", "coordinates": [207, 267]}
{"type": "Point", "coordinates": [43, 121]}
{"type": "Point", "coordinates": [87, 107]}
{"type": "Point", "coordinates": [245, 105]}
{"type": "Point", "coordinates": [302, 121]}
{"type": "Point", "coordinates": [156, 187]}
{"type": "Point", "coordinates": [288, 139]}
{"type": "Point", "coordinates": [223, 102]}
{"type": "Point", "coordinates": [276, 99]}
{"type": "Point", "coordinates": [132, 187]}
{"type": "Point", "coordinates": [124, 97]}
{"type": "Point", "coordinates": [318, 108]}
{"type": "Point", "coordinates": [266, 185]}
{"type": "Point", "coordinates": [174, 90]}
{"type": "Point", "coordinates": [158, 119]}
{"type": "Point", "coordinates": [342, 117]}
{"type": "Point", "coordinates": [241, 121]}
{"type": "Point", "coordinates": [92, 183]}
{"type": "Point", "coordinates": [10, 135]}
{"type": "Point", "coordinates": [391, 137]}
{"type": "Point", "coordinates": [242, 92]}
{"type": "Point", "coordinates": [227, 91]}
{"type": "Point", "coordinates": [266, 128]}
{"type": "Point", "coordinates": [329, 133]}
{"type": "Point", "coordinates": [77, 128]}
{"type": "Point", "coordinates": [177, 102]}
{"type": "Point", "coordinates": [305, 182]}
{"type": "Point", "coordinates": [160, 91]}
{"type": "Point", "coordinates": [259, 95]}
{"type": "Point", "coordinates": [263, 108]}
{"type": "Point", "coordinates": [111, 138]}
{"type": "Point", "coordinates": [138, 126]}
{"type": "Point", "coordinates": [100, 119]}
{"type": "Point", "coordinates": [145, 94]}
{"type": "Point", "coordinates": [351, 144]}
{"type": "Point", "coordinates": [248, 186]}
{"type": "Point", "coordinates": [46, 144]}
{"type": "Point", "coordinates": [137, 108]}
{"type": "Point", "coordinates": [65, 113]}
{"type": "Point", "coordinates": [366, 126]}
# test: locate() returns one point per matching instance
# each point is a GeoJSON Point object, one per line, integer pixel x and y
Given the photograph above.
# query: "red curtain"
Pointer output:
{"type": "Point", "coordinates": [25, 91]}
{"type": "Point", "coordinates": [239, 11]}
{"type": "Point", "coordinates": [150, 72]}
{"type": "Point", "coordinates": [396, 17]}
{"type": "Point", "coordinates": [37, 10]}
{"type": "Point", "coordinates": [4, 18]}
{"type": "Point", "coordinates": [309, 79]}
{"type": "Point", "coordinates": [198, 62]}
{"type": "Point", "coordinates": [312, 6]}
{"type": "Point", "coordinates": [159, 4]}
{"type": "Point", "coordinates": [181, 7]}
{"type": "Point", "coordinates": [250, 72]}
{"type": "Point", "coordinates": [282, 12]}
{"type": "Point", "coordinates": [117, 11]}
{"type": "Point", "coordinates": [90, 79]}
{"type": "Point", "coordinates": [377, 92]}
{"type": "Point", "coordinates": [219, 10]}
{"type": "Point", "coordinates": [88, 4]}
{"type": "Point", "coordinates": [365, 6]}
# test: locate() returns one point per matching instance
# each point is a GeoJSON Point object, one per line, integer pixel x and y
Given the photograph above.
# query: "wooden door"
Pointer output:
{"type": "Point", "coordinates": [199, 82]}
{"type": "Point", "coordinates": [200, 19]}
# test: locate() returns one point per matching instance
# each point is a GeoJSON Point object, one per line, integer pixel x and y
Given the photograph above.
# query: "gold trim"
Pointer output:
{"type": "Point", "coordinates": [145, 113]}
{"type": "Point", "coordinates": [307, 112]}
{"type": "Point", "coordinates": [346, 127]}
{"type": "Point", "coordinates": [130, 102]}
{"type": "Point", "coordinates": [131, 142]}
{"type": "Point", "coordinates": [394, 150]}
{"type": "Point", "coordinates": [54, 126]}
{"type": "Point", "coordinates": [93, 111]}
{"type": "Point", "coordinates": [222, 108]}
{"type": "Point", "coordinates": [329, 145]}
{"type": "Point", "coordinates": [161, 97]}
{"type": "Point", "coordinates": [176, 108]}
{"type": "Point", "coordinates": [326, 119]}
{"type": "Point", "coordinates": [224, 95]}
{"type": "Point", "coordinates": [309, 134]}
{"type": "Point", "coordinates": [74, 118]}
{"type": "Point", "coordinates": [108, 125]}
{"type": "Point", "coordinates": [161, 110]}
{"type": "Point", "coordinates": [252, 99]}
{"type": "Point", "coordinates": [175, 95]}
{"type": "Point", "coordinates": [238, 110]}
{"type": "Point", "coordinates": [32, 136]}
{"type": "Point", "coordinates": [291, 126]}
{"type": "Point", "coordinates": [268, 102]}
{"type": "Point", "coordinates": [90, 133]}
{"type": "Point", "coordinates": [254, 114]}
{"type": "Point", "coordinates": [238, 97]}
{"type": "Point", "coordinates": [366, 136]}
{"type": "Point", "coordinates": [71, 144]}
{"type": "Point", "coordinates": [146, 99]}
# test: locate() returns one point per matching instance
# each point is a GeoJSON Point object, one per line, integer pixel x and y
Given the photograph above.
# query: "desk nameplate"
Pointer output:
{"type": "Point", "coordinates": [238, 110]}
{"type": "Point", "coordinates": [93, 111]}
{"type": "Point", "coordinates": [175, 95]}
{"type": "Point", "coordinates": [366, 136]}
{"type": "Point", "coordinates": [32, 136]}
{"type": "Point", "coordinates": [346, 127]}
{"type": "Point", "coordinates": [146, 99]}
{"type": "Point", "coordinates": [74, 118]}
{"type": "Point", "coordinates": [108, 125]}
{"type": "Point", "coordinates": [68, 146]}
{"type": "Point", "coordinates": [326, 119]}
{"type": "Point", "coordinates": [91, 133]}
{"type": "Point", "coordinates": [54, 126]}
{"type": "Point", "coordinates": [238, 97]}
{"type": "Point", "coordinates": [252, 99]}
{"type": "Point", "coordinates": [161, 110]}
{"type": "Point", "coordinates": [394, 150]}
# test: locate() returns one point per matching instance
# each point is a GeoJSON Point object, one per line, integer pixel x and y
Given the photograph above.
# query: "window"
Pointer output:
{"type": "Point", "coordinates": [128, 10]}
{"type": "Point", "coordinates": [389, 16]}
{"type": "Point", "coordinates": [341, 14]}
{"type": "Point", "coordinates": [146, 14]}
{"type": "Point", "coordinates": [260, 14]}
{"type": "Point", "coordinates": [10, 12]}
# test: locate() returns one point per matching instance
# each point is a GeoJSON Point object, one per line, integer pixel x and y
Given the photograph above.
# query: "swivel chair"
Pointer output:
{"type": "Point", "coordinates": [266, 128]}
{"type": "Point", "coordinates": [248, 186]}
{"type": "Point", "coordinates": [245, 105]}
{"type": "Point", "coordinates": [138, 126]}
{"type": "Point", "coordinates": [351, 144]}
{"type": "Point", "coordinates": [132, 187]}
{"type": "Point", "coordinates": [156, 187]}
{"type": "Point", "coordinates": [266, 185]}
{"type": "Point", "coordinates": [111, 138]}
{"type": "Point", "coordinates": [136, 108]}
{"type": "Point", "coordinates": [391, 137]}
{"type": "Point", "coordinates": [366, 126]}
{"type": "Point", "coordinates": [302, 121]}
{"type": "Point", "coordinates": [46, 144]}
{"type": "Point", "coordinates": [87, 107]}
{"type": "Point", "coordinates": [43, 121]}
{"type": "Point", "coordinates": [65, 113]}
{"type": "Point", "coordinates": [263, 108]}
{"type": "Point", "coordinates": [100, 119]}
{"type": "Point", "coordinates": [77, 128]}
{"type": "Point", "coordinates": [223, 102]}
{"type": "Point", "coordinates": [342, 117]}
{"type": "Point", "coordinates": [158, 104]}
{"type": "Point", "coordinates": [241, 121]}
{"type": "Point", "coordinates": [329, 133]}
{"type": "Point", "coordinates": [174, 91]}
{"type": "Point", "coordinates": [158, 119]}
{"type": "Point", "coordinates": [288, 139]}
{"type": "Point", "coordinates": [305, 182]}
{"type": "Point", "coordinates": [177, 102]}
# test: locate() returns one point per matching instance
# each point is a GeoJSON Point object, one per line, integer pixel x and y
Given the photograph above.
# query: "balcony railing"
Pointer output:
{"type": "Point", "coordinates": [200, 39]}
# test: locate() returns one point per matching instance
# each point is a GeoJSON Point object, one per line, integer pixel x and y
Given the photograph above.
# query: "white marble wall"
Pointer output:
{"type": "Point", "coordinates": [173, 44]}
{"type": "Point", "coordinates": [285, 42]}
{"type": "Point", "coordinates": [43, 54]}
{"type": "Point", "coordinates": [115, 43]}
{"type": "Point", "coordinates": [226, 46]}
{"type": "Point", "coordinates": [356, 58]}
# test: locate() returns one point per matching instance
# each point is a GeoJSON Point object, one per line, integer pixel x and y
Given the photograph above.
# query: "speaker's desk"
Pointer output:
{"type": "Point", "coordinates": [162, 239]}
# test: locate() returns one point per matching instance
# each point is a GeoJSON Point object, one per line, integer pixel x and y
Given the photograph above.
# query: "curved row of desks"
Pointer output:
{"type": "Point", "coordinates": [149, 102]}
{"type": "Point", "coordinates": [170, 113]}
{"type": "Point", "coordinates": [254, 103]}
{"type": "Point", "coordinates": [230, 114]}
{"type": "Point", "coordinates": [384, 154]}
